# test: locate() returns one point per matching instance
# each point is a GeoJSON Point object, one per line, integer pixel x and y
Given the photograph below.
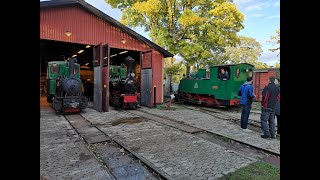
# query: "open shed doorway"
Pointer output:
{"type": "Point", "coordinates": [117, 66]}
{"type": "Point", "coordinates": [61, 51]}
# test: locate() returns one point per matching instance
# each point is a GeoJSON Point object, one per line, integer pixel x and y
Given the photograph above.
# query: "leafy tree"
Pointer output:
{"type": "Point", "coordinates": [190, 28]}
{"type": "Point", "coordinates": [260, 65]}
{"type": "Point", "coordinates": [276, 40]}
{"type": "Point", "coordinates": [172, 73]}
{"type": "Point", "coordinates": [171, 66]}
{"type": "Point", "coordinates": [247, 51]}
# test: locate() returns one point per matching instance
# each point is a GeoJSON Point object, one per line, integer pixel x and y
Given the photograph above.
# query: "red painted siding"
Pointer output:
{"type": "Point", "coordinates": [260, 80]}
{"type": "Point", "coordinates": [87, 28]}
{"type": "Point", "coordinates": [157, 74]}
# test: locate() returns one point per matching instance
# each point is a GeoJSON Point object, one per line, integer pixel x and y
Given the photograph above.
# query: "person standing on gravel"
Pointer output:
{"type": "Point", "coordinates": [246, 93]}
{"type": "Point", "coordinates": [277, 109]}
{"type": "Point", "coordinates": [270, 96]}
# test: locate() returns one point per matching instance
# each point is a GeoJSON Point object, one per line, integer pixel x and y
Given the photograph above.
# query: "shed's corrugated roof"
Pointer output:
{"type": "Point", "coordinates": [105, 17]}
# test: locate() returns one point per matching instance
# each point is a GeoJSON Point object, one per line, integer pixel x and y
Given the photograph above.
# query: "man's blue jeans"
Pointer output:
{"type": "Point", "coordinates": [267, 122]}
{"type": "Point", "coordinates": [245, 112]}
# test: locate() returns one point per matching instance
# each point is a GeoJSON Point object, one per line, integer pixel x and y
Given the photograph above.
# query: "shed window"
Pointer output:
{"type": "Point", "coordinates": [54, 68]}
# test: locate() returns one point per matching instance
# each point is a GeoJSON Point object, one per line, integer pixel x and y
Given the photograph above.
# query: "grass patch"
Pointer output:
{"type": "Point", "coordinates": [255, 171]}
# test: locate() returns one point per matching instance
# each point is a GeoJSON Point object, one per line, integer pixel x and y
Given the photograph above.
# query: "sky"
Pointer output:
{"type": "Point", "coordinates": [262, 18]}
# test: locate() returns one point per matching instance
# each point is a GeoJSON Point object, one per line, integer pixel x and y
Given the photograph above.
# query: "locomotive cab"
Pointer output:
{"type": "Point", "coordinates": [218, 89]}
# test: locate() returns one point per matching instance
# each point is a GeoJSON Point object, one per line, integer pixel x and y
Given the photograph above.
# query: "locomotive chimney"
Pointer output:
{"type": "Point", "coordinates": [129, 62]}
{"type": "Point", "coordinates": [72, 66]}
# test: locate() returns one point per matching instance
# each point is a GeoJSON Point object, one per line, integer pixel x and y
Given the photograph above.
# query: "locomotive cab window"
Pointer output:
{"type": "Point", "coordinates": [224, 73]}
{"type": "Point", "coordinates": [237, 72]}
{"type": "Point", "coordinates": [250, 73]}
{"type": "Point", "coordinates": [54, 68]}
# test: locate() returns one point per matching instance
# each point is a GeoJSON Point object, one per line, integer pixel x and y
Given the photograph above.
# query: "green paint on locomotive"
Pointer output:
{"type": "Point", "coordinates": [116, 71]}
{"type": "Point", "coordinates": [123, 72]}
{"type": "Point", "coordinates": [56, 69]}
{"type": "Point", "coordinates": [201, 73]}
{"type": "Point", "coordinates": [215, 87]}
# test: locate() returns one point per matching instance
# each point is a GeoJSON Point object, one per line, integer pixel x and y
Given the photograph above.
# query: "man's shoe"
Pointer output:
{"type": "Point", "coordinates": [264, 136]}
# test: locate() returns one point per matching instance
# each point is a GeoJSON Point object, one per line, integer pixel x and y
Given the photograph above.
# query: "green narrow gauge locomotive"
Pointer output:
{"type": "Point", "coordinates": [215, 86]}
{"type": "Point", "coordinates": [65, 86]}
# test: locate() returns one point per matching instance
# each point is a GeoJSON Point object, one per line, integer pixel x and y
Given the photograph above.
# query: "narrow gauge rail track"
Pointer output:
{"type": "Point", "coordinates": [222, 115]}
{"type": "Point", "coordinates": [119, 144]}
{"type": "Point", "coordinates": [183, 127]}
{"type": "Point", "coordinates": [195, 131]}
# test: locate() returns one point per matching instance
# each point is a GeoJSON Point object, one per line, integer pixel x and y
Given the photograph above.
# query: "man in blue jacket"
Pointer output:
{"type": "Point", "coordinates": [246, 93]}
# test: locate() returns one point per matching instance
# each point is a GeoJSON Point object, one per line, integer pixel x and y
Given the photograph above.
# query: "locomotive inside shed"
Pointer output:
{"type": "Point", "coordinates": [61, 51]}
{"type": "Point", "coordinates": [117, 57]}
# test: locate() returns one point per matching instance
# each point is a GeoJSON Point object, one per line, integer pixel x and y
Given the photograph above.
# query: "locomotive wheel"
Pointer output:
{"type": "Point", "coordinates": [117, 102]}
{"type": "Point", "coordinates": [133, 106]}
{"type": "Point", "coordinates": [84, 103]}
{"type": "Point", "coordinates": [177, 97]}
{"type": "Point", "coordinates": [57, 105]}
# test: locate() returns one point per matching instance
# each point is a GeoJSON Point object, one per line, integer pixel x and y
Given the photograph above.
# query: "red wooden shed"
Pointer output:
{"type": "Point", "coordinates": [69, 26]}
{"type": "Point", "coordinates": [260, 80]}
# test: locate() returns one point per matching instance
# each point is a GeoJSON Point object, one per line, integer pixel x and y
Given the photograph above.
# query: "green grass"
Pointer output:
{"type": "Point", "coordinates": [255, 171]}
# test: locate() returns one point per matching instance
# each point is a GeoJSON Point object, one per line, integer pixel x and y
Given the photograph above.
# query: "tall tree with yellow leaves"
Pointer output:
{"type": "Point", "coordinates": [190, 28]}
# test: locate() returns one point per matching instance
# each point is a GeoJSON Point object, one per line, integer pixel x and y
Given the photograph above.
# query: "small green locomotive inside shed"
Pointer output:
{"type": "Point", "coordinates": [215, 86]}
{"type": "Point", "coordinates": [65, 86]}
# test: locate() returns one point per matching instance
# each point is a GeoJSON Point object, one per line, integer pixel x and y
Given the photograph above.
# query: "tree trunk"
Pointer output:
{"type": "Point", "coordinates": [188, 71]}
{"type": "Point", "coordinates": [167, 85]}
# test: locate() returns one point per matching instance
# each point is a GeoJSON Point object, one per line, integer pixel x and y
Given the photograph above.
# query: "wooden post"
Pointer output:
{"type": "Point", "coordinates": [154, 96]}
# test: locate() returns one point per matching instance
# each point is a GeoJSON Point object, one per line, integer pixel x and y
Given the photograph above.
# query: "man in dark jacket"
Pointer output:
{"type": "Point", "coordinates": [270, 97]}
{"type": "Point", "coordinates": [277, 109]}
{"type": "Point", "coordinates": [246, 93]}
